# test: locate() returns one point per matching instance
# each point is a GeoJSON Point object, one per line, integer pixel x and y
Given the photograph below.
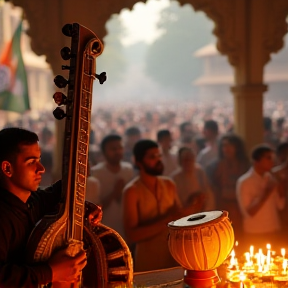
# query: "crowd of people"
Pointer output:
{"type": "Point", "coordinates": [155, 164]}
{"type": "Point", "coordinates": [149, 184]}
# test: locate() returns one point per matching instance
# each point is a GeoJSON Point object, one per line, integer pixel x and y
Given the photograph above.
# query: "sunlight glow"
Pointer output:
{"type": "Point", "coordinates": [141, 22]}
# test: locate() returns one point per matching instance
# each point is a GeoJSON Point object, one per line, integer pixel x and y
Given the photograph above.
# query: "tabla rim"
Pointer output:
{"type": "Point", "coordinates": [216, 220]}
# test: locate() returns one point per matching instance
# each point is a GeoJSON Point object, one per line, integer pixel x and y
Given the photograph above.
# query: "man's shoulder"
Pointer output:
{"type": "Point", "coordinates": [126, 165]}
{"type": "Point", "coordinates": [204, 151]}
{"type": "Point", "coordinates": [98, 167]}
{"type": "Point", "coordinates": [280, 169]}
{"type": "Point", "coordinates": [7, 218]}
{"type": "Point", "coordinates": [92, 180]}
{"type": "Point", "coordinates": [166, 180]}
{"type": "Point", "coordinates": [246, 177]}
{"type": "Point", "coordinates": [132, 185]}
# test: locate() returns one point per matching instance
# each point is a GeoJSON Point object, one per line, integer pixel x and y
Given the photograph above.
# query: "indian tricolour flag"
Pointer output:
{"type": "Point", "coordinates": [13, 80]}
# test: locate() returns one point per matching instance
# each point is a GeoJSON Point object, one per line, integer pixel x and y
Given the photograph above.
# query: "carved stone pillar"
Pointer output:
{"type": "Point", "coordinates": [248, 116]}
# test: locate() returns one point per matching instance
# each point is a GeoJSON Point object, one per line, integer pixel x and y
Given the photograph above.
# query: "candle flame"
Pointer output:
{"type": "Point", "coordinates": [251, 250]}
{"type": "Point", "coordinates": [268, 246]}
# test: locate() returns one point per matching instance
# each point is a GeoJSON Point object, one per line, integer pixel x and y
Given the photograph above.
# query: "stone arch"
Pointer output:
{"type": "Point", "coordinates": [45, 30]}
{"type": "Point", "coordinates": [247, 32]}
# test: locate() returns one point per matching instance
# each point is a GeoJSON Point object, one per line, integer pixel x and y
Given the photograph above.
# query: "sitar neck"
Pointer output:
{"type": "Point", "coordinates": [85, 47]}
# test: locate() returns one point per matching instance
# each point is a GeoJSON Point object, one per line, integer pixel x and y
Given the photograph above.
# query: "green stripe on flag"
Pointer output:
{"type": "Point", "coordinates": [13, 88]}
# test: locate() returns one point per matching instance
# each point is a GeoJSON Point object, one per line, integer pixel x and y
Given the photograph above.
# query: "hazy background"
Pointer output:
{"type": "Point", "coordinates": [148, 52]}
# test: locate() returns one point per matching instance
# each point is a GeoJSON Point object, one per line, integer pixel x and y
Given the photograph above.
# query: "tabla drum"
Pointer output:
{"type": "Point", "coordinates": [201, 242]}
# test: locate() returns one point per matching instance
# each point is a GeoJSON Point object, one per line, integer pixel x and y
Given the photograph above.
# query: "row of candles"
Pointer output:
{"type": "Point", "coordinates": [264, 262]}
{"type": "Point", "coordinates": [260, 264]}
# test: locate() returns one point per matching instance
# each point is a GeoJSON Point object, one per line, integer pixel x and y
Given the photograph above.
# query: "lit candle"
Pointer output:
{"type": "Point", "coordinates": [257, 255]}
{"type": "Point", "coordinates": [251, 251]}
{"type": "Point", "coordinates": [284, 266]}
{"type": "Point", "coordinates": [232, 260]}
{"type": "Point", "coordinates": [268, 255]}
{"type": "Point", "coordinates": [242, 277]}
{"type": "Point", "coordinates": [262, 257]}
{"type": "Point", "coordinates": [247, 255]}
{"type": "Point", "coordinates": [283, 252]}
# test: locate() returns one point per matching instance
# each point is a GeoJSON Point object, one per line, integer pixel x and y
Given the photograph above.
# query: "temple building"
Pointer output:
{"type": "Point", "coordinates": [217, 75]}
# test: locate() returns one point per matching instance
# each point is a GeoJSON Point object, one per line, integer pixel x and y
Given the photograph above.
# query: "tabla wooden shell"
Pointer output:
{"type": "Point", "coordinates": [201, 241]}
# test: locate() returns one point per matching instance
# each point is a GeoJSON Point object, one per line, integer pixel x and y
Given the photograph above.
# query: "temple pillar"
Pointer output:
{"type": "Point", "coordinates": [259, 33]}
{"type": "Point", "coordinates": [248, 113]}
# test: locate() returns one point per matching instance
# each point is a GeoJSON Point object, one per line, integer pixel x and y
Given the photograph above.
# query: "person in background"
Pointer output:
{"type": "Point", "coordinates": [187, 136]}
{"type": "Point", "coordinates": [282, 153]}
{"type": "Point", "coordinates": [270, 137]}
{"type": "Point", "coordinates": [132, 135]}
{"type": "Point", "coordinates": [260, 200]}
{"type": "Point", "coordinates": [92, 188]}
{"type": "Point", "coordinates": [169, 160]}
{"type": "Point", "coordinates": [209, 153]}
{"type": "Point", "coordinates": [192, 183]}
{"type": "Point", "coordinates": [150, 202]}
{"type": "Point", "coordinates": [223, 173]}
{"type": "Point", "coordinates": [113, 174]}
{"type": "Point", "coordinates": [280, 172]}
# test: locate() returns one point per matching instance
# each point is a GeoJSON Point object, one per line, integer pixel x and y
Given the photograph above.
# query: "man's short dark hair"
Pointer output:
{"type": "Point", "coordinates": [141, 147]}
{"type": "Point", "coordinates": [282, 148]}
{"type": "Point", "coordinates": [161, 134]}
{"type": "Point", "coordinates": [211, 125]}
{"type": "Point", "coordinates": [11, 139]}
{"type": "Point", "coordinates": [259, 151]}
{"type": "Point", "coordinates": [132, 131]}
{"type": "Point", "coordinates": [182, 150]}
{"type": "Point", "coordinates": [108, 139]}
{"type": "Point", "coordinates": [183, 126]}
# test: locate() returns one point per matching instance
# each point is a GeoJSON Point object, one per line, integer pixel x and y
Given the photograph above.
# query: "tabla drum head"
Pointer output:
{"type": "Point", "coordinates": [196, 219]}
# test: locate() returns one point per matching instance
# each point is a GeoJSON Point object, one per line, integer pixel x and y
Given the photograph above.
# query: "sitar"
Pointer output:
{"type": "Point", "coordinates": [109, 262]}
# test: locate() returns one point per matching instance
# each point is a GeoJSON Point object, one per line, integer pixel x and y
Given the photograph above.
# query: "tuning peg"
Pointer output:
{"type": "Point", "coordinates": [67, 30]}
{"type": "Point", "coordinates": [59, 114]}
{"type": "Point", "coordinates": [102, 77]}
{"type": "Point", "coordinates": [65, 67]}
{"type": "Point", "coordinates": [60, 81]}
{"type": "Point", "coordinates": [60, 98]}
{"type": "Point", "coordinates": [65, 53]}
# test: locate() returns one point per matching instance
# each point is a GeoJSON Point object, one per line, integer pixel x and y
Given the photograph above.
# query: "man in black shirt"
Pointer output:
{"type": "Point", "coordinates": [22, 205]}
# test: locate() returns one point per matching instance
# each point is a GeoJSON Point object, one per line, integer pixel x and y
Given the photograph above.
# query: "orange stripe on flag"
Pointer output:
{"type": "Point", "coordinates": [6, 54]}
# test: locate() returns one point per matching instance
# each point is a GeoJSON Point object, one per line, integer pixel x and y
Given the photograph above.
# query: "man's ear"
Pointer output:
{"type": "Point", "coordinates": [6, 168]}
